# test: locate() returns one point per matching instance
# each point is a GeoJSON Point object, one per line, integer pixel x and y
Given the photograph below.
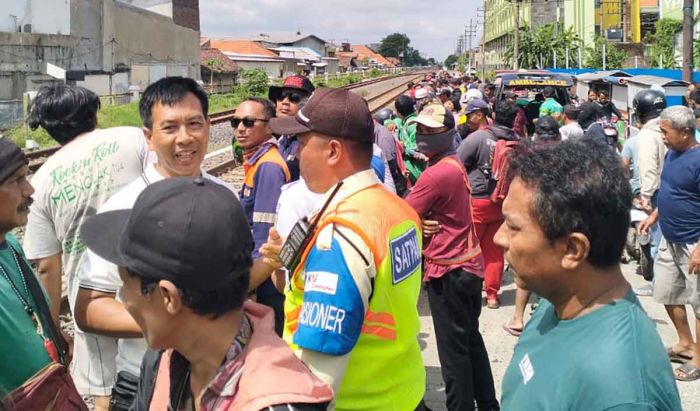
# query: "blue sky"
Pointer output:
{"type": "Point", "coordinates": [433, 27]}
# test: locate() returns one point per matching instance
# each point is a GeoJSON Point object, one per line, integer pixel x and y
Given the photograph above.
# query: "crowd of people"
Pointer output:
{"type": "Point", "coordinates": [300, 290]}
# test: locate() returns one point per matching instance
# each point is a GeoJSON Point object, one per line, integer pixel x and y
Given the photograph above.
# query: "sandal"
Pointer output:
{"type": "Point", "coordinates": [493, 303]}
{"type": "Point", "coordinates": [687, 372]}
{"type": "Point", "coordinates": [679, 357]}
{"type": "Point", "coordinates": [515, 332]}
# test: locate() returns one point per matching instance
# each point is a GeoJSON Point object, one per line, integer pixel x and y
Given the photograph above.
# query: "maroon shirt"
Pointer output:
{"type": "Point", "coordinates": [442, 193]}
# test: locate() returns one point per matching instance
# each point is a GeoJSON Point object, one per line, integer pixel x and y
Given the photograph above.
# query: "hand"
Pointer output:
{"type": "Point", "coordinates": [391, 127]}
{"type": "Point", "coordinates": [646, 204]}
{"type": "Point", "coordinates": [69, 341]}
{"type": "Point", "coordinates": [270, 251]}
{"type": "Point", "coordinates": [644, 226]}
{"type": "Point", "coordinates": [431, 227]}
{"type": "Point", "coordinates": [420, 157]}
{"type": "Point", "coordinates": [694, 261]}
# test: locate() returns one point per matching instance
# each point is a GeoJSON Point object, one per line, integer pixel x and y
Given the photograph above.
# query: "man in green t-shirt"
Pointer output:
{"type": "Point", "coordinates": [589, 345]}
{"type": "Point", "coordinates": [551, 107]}
{"type": "Point", "coordinates": [22, 351]}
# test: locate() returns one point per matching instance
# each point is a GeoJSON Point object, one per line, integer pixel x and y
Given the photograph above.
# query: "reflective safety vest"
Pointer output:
{"type": "Point", "coordinates": [385, 369]}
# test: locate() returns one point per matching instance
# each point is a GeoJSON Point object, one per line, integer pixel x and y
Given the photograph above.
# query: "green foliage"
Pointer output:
{"type": "Point", "coordinates": [538, 47]}
{"type": "Point", "coordinates": [374, 73]}
{"type": "Point", "coordinates": [663, 42]}
{"type": "Point", "coordinates": [615, 58]}
{"type": "Point", "coordinates": [398, 45]}
{"type": "Point", "coordinates": [696, 53]}
{"type": "Point", "coordinates": [450, 60]}
{"type": "Point", "coordinates": [255, 81]}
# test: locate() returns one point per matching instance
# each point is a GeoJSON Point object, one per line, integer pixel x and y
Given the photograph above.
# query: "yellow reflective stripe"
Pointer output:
{"type": "Point", "coordinates": [259, 217]}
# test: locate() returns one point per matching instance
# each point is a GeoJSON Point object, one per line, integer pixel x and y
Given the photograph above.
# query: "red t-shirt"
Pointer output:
{"type": "Point", "coordinates": [441, 193]}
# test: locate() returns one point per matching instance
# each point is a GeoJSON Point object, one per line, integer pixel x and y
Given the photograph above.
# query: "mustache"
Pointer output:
{"type": "Point", "coordinates": [26, 204]}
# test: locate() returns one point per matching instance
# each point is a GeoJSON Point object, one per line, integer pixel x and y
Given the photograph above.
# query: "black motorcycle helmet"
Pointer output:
{"type": "Point", "coordinates": [383, 115]}
{"type": "Point", "coordinates": [648, 104]}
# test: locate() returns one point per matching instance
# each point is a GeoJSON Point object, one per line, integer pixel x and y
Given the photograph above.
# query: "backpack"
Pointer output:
{"type": "Point", "coordinates": [500, 165]}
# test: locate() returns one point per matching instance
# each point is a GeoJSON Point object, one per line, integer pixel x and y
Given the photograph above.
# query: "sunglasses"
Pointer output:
{"type": "Point", "coordinates": [293, 96]}
{"type": "Point", "coordinates": [248, 122]}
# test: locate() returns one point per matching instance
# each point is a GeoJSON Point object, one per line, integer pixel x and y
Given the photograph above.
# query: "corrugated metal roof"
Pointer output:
{"type": "Point", "coordinates": [284, 38]}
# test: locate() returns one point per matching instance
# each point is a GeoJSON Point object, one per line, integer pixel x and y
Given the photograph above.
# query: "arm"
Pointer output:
{"type": "Point", "coordinates": [268, 182]}
{"type": "Point", "coordinates": [615, 111]}
{"type": "Point", "coordinates": [49, 270]}
{"type": "Point", "coordinates": [626, 157]}
{"type": "Point", "coordinates": [326, 349]}
{"type": "Point", "coordinates": [99, 313]}
{"type": "Point", "coordinates": [648, 165]}
{"type": "Point", "coordinates": [96, 309]}
{"type": "Point", "coordinates": [424, 195]}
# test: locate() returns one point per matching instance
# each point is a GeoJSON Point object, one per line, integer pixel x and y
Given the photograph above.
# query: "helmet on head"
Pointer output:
{"type": "Point", "coordinates": [648, 104]}
{"type": "Point", "coordinates": [383, 115]}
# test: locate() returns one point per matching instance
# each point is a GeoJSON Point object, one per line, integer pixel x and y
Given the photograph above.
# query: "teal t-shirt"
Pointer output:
{"type": "Point", "coordinates": [610, 359]}
{"type": "Point", "coordinates": [549, 107]}
{"type": "Point", "coordinates": [22, 351]}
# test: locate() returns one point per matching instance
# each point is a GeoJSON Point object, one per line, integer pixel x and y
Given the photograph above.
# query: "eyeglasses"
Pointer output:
{"type": "Point", "coordinates": [293, 96]}
{"type": "Point", "coordinates": [248, 122]}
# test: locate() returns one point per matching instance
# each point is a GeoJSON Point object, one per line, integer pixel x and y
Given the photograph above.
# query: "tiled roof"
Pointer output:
{"type": "Point", "coordinates": [223, 64]}
{"type": "Point", "coordinates": [246, 47]}
{"type": "Point", "coordinates": [365, 52]}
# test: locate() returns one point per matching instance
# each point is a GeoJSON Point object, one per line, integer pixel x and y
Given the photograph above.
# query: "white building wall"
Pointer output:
{"type": "Point", "coordinates": [44, 16]}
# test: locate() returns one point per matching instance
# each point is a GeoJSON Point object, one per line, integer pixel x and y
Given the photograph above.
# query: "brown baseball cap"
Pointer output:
{"type": "Point", "coordinates": [331, 111]}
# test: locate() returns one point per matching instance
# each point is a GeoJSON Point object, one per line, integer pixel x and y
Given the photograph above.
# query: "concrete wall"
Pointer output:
{"type": "Point", "coordinates": [103, 84]}
{"type": "Point", "coordinates": [168, 44]}
{"type": "Point", "coordinates": [273, 69]}
{"type": "Point", "coordinates": [87, 30]}
{"type": "Point", "coordinates": [44, 16]}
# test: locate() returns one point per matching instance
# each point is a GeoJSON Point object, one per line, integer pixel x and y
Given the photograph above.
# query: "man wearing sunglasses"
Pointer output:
{"type": "Point", "coordinates": [265, 174]}
{"type": "Point", "coordinates": [289, 98]}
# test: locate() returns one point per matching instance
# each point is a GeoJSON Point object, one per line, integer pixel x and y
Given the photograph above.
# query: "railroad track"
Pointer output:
{"type": "Point", "coordinates": [375, 103]}
{"type": "Point", "coordinates": [38, 158]}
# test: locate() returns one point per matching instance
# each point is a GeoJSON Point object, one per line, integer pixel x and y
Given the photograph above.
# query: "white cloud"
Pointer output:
{"type": "Point", "coordinates": [433, 27]}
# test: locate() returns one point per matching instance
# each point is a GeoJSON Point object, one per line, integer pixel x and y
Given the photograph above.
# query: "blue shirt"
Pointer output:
{"type": "Point", "coordinates": [679, 196]}
{"type": "Point", "coordinates": [630, 153]}
{"type": "Point", "coordinates": [609, 359]}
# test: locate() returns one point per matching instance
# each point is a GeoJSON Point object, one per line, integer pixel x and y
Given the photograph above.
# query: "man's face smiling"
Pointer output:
{"type": "Point", "coordinates": [179, 137]}
{"type": "Point", "coordinates": [15, 199]}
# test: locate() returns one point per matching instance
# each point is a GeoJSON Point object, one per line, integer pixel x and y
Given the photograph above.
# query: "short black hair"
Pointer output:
{"type": "Point", "coordinates": [588, 114]}
{"type": "Point", "coordinates": [268, 106]}
{"type": "Point", "coordinates": [696, 112]}
{"type": "Point", "coordinates": [170, 91]}
{"type": "Point", "coordinates": [594, 198]}
{"type": "Point", "coordinates": [445, 93]}
{"type": "Point", "coordinates": [547, 129]}
{"type": "Point", "coordinates": [571, 111]}
{"type": "Point", "coordinates": [695, 96]}
{"type": "Point", "coordinates": [405, 105]}
{"type": "Point", "coordinates": [213, 304]}
{"type": "Point", "coordinates": [505, 113]}
{"type": "Point", "coordinates": [604, 92]}
{"type": "Point", "coordinates": [548, 91]}
{"type": "Point", "coordinates": [64, 111]}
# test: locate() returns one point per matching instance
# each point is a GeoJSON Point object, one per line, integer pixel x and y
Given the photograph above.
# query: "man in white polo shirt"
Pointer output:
{"type": "Point", "coordinates": [174, 113]}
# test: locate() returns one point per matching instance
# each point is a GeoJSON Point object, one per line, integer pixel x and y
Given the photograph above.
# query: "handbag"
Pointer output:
{"type": "Point", "coordinates": [50, 388]}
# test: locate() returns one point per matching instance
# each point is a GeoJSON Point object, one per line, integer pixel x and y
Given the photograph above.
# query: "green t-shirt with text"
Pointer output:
{"type": "Point", "coordinates": [610, 359]}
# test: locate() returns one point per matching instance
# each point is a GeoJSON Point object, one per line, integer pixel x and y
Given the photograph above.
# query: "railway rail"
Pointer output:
{"type": "Point", "coordinates": [39, 157]}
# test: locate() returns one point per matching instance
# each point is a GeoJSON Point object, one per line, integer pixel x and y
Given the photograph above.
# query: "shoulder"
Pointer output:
{"type": "Point", "coordinates": [12, 241]}
{"type": "Point", "coordinates": [220, 182]}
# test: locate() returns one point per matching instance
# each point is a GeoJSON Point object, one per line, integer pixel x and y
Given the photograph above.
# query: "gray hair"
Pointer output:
{"type": "Point", "coordinates": [680, 117]}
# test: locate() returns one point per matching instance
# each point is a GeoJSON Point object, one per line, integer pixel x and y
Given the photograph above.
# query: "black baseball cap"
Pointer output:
{"type": "Point", "coordinates": [299, 83]}
{"type": "Point", "coordinates": [188, 230]}
{"type": "Point", "coordinates": [11, 159]}
{"type": "Point", "coordinates": [334, 112]}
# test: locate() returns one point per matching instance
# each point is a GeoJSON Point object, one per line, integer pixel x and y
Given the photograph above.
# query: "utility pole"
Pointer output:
{"type": "Point", "coordinates": [481, 13]}
{"type": "Point", "coordinates": [688, 40]}
{"type": "Point", "coordinates": [470, 34]}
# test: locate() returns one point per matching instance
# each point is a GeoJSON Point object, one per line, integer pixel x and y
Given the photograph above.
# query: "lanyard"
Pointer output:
{"type": "Point", "coordinates": [22, 299]}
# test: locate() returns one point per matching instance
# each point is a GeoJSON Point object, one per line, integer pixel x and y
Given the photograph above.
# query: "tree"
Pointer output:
{"type": "Point", "coordinates": [450, 60]}
{"type": "Point", "coordinates": [255, 81]}
{"type": "Point", "coordinates": [615, 58]}
{"type": "Point", "coordinates": [398, 45]}
{"type": "Point", "coordinates": [663, 42]}
{"type": "Point", "coordinates": [394, 45]}
{"type": "Point", "coordinates": [213, 65]}
{"type": "Point", "coordinates": [545, 46]}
